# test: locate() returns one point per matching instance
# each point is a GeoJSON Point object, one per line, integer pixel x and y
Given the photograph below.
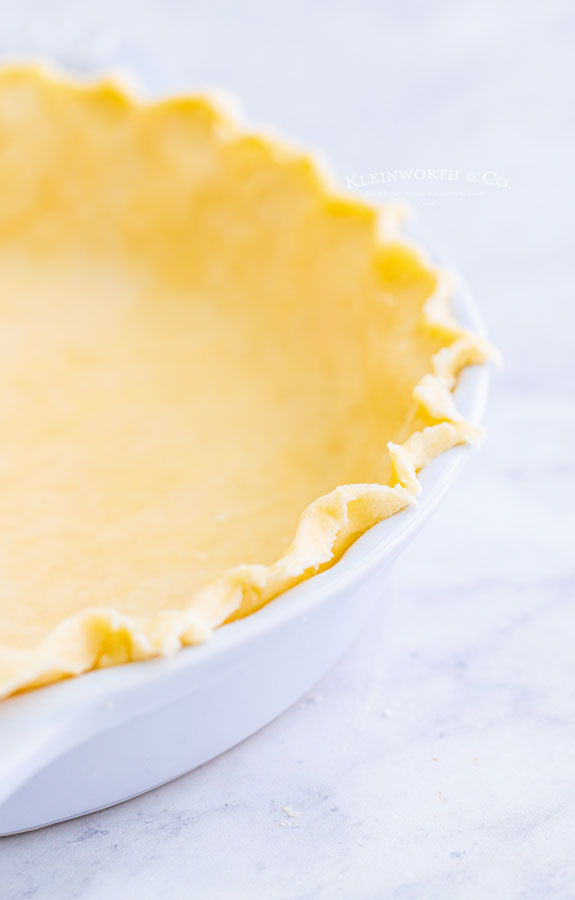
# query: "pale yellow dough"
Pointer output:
{"type": "Point", "coordinates": [198, 339]}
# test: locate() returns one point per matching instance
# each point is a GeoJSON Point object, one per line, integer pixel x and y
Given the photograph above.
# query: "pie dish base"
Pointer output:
{"type": "Point", "coordinates": [170, 715]}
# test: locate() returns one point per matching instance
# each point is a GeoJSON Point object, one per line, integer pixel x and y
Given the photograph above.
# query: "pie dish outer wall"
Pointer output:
{"type": "Point", "coordinates": [88, 743]}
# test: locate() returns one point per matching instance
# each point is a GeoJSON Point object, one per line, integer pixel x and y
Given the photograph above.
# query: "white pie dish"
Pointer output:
{"type": "Point", "coordinates": [93, 741]}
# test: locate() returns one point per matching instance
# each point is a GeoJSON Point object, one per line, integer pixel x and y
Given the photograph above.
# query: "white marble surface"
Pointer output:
{"type": "Point", "coordinates": [438, 759]}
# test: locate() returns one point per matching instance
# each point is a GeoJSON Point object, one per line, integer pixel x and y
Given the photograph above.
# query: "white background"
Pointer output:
{"type": "Point", "coordinates": [438, 759]}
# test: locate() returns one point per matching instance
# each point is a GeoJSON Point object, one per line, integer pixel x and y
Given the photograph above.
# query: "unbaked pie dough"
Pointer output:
{"type": "Point", "coordinates": [216, 372]}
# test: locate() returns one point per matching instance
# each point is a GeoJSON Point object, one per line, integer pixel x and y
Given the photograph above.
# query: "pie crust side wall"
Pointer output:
{"type": "Point", "coordinates": [100, 637]}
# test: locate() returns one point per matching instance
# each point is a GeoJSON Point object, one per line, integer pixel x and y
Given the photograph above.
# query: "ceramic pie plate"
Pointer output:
{"type": "Point", "coordinates": [262, 310]}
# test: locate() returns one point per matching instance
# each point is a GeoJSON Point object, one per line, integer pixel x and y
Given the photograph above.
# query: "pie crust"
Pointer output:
{"type": "Point", "coordinates": [217, 372]}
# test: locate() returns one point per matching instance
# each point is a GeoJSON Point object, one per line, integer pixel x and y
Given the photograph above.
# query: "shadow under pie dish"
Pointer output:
{"type": "Point", "coordinates": [217, 372]}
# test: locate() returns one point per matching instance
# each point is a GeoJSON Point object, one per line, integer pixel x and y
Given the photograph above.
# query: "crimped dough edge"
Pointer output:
{"type": "Point", "coordinates": [99, 637]}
